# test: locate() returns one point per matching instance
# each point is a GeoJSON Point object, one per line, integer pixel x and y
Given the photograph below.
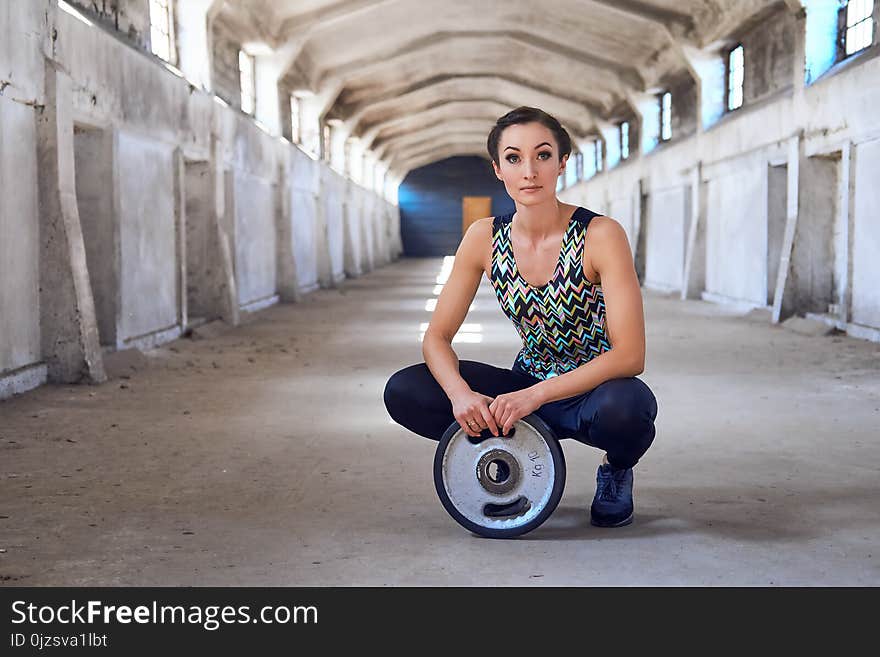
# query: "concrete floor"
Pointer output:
{"type": "Point", "coordinates": [265, 456]}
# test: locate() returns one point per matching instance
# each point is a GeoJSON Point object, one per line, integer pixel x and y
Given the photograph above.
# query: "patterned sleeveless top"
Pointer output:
{"type": "Point", "coordinates": [561, 323]}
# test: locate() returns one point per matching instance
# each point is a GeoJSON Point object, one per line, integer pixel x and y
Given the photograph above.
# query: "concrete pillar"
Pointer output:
{"type": "Point", "coordinates": [693, 281]}
{"type": "Point", "coordinates": [352, 232]}
{"type": "Point", "coordinates": [180, 235]}
{"type": "Point", "coordinates": [611, 137]}
{"type": "Point", "coordinates": [817, 34]}
{"type": "Point", "coordinates": [288, 279]}
{"type": "Point", "coordinates": [227, 288]}
{"type": "Point", "coordinates": [310, 108]}
{"type": "Point", "coordinates": [322, 243]}
{"type": "Point", "coordinates": [783, 302]}
{"type": "Point", "coordinates": [357, 163]}
{"type": "Point", "coordinates": [648, 110]}
{"type": "Point", "coordinates": [338, 155]}
{"type": "Point", "coordinates": [70, 343]}
{"type": "Point", "coordinates": [795, 155]}
{"type": "Point", "coordinates": [844, 248]}
{"type": "Point", "coordinates": [708, 69]}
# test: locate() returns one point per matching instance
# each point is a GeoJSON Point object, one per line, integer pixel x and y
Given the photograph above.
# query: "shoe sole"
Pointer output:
{"type": "Point", "coordinates": [623, 522]}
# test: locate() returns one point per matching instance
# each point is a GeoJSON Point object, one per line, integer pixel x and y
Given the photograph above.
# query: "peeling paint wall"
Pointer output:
{"type": "Point", "coordinates": [684, 106]}
{"type": "Point", "coordinates": [21, 79]}
{"type": "Point", "coordinates": [866, 234]}
{"type": "Point", "coordinates": [743, 238]}
{"type": "Point", "coordinates": [130, 18]}
{"type": "Point", "coordinates": [137, 125]}
{"type": "Point", "coordinates": [225, 73]}
{"type": "Point", "coordinates": [768, 50]}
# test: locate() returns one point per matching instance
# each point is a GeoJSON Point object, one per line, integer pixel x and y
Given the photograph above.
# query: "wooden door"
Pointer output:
{"type": "Point", "coordinates": [473, 208]}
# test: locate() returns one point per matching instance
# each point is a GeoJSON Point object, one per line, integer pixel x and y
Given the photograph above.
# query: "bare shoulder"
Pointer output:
{"type": "Point", "coordinates": [476, 245]}
{"type": "Point", "coordinates": [482, 226]}
{"type": "Point", "coordinates": [602, 226]}
{"type": "Point", "coordinates": [603, 235]}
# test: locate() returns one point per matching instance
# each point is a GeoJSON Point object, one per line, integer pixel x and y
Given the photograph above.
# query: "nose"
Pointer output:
{"type": "Point", "coordinates": [530, 170]}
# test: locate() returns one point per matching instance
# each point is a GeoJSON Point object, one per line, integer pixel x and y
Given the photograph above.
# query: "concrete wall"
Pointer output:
{"type": "Point", "coordinates": [811, 277]}
{"type": "Point", "coordinates": [768, 48]}
{"type": "Point", "coordinates": [225, 73]}
{"type": "Point", "coordinates": [199, 210]}
{"type": "Point", "coordinates": [621, 208]}
{"type": "Point", "coordinates": [866, 234]}
{"type": "Point", "coordinates": [21, 74]}
{"type": "Point", "coordinates": [736, 234]}
{"type": "Point", "coordinates": [332, 191]}
{"type": "Point", "coordinates": [144, 211]}
{"type": "Point", "coordinates": [95, 191]}
{"type": "Point", "coordinates": [19, 246]}
{"type": "Point", "coordinates": [127, 18]}
{"type": "Point", "coordinates": [666, 232]}
{"type": "Point", "coordinates": [302, 188]}
{"type": "Point", "coordinates": [254, 238]}
{"type": "Point", "coordinates": [819, 141]}
{"type": "Point", "coordinates": [153, 164]}
{"type": "Point", "coordinates": [683, 120]}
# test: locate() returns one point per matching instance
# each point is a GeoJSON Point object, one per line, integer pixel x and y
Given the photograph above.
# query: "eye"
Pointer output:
{"type": "Point", "coordinates": [547, 153]}
{"type": "Point", "coordinates": [511, 156]}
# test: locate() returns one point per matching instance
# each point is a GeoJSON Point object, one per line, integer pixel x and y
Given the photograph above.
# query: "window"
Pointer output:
{"type": "Point", "coordinates": [295, 125]}
{"type": "Point", "coordinates": [579, 165]}
{"type": "Point", "coordinates": [160, 29]}
{"type": "Point", "coordinates": [598, 144]}
{"type": "Point", "coordinates": [246, 76]}
{"type": "Point", "coordinates": [666, 116]}
{"type": "Point", "coordinates": [857, 29]}
{"type": "Point", "coordinates": [559, 183]}
{"type": "Point", "coordinates": [624, 140]}
{"type": "Point", "coordinates": [735, 70]}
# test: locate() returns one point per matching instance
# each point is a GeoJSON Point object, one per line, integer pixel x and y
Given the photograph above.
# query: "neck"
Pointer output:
{"type": "Point", "coordinates": [541, 220]}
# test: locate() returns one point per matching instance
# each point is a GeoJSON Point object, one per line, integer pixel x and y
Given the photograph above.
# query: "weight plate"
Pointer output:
{"type": "Point", "coordinates": [496, 486]}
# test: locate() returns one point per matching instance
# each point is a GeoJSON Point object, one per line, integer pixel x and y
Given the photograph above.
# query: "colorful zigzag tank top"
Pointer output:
{"type": "Point", "coordinates": [561, 323]}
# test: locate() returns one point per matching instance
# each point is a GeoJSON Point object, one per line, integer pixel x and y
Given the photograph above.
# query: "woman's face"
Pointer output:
{"type": "Point", "coordinates": [529, 163]}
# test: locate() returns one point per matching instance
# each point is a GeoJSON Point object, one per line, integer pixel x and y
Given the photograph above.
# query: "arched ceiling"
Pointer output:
{"type": "Point", "coordinates": [419, 80]}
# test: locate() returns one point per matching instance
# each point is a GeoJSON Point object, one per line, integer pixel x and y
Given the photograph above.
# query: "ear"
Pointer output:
{"type": "Point", "coordinates": [563, 163]}
{"type": "Point", "coordinates": [497, 170]}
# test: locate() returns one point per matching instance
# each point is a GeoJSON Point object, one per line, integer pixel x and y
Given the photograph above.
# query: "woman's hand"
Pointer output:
{"type": "Point", "coordinates": [513, 406]}
{"type": "Point", "coordinates": [471, 411]}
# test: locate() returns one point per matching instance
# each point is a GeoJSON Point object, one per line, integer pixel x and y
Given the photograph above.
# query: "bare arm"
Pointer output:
{"type": "Point", "coordinates": [611, 256]}
{"type": "Point", "coordinates": [452, 307]}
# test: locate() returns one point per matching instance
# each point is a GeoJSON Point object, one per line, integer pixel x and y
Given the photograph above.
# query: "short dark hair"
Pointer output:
{"type": "Point", "coordinates": [524, 114]}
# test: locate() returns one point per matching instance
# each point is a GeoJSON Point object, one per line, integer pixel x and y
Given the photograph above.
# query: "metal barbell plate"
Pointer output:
{"type": "Point", "coordinates": [533, 477]}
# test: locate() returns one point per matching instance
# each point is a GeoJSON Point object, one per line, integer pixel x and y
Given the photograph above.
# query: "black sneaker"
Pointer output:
{"type": "Point", "coordinates": [613, 504]}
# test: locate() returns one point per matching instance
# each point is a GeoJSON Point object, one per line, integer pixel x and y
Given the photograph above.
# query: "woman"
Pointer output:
{"type": "Point", "coordinates": [583, 344]}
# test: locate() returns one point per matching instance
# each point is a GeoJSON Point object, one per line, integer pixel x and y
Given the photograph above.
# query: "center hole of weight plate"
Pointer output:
{"type": "Point", "coordinates": [498, 471]}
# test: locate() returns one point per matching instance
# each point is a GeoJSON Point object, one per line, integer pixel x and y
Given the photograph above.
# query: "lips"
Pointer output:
{"type": "Point", "coordinates": [524, 189]}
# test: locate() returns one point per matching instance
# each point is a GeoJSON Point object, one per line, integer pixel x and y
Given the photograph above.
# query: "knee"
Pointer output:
{"type": "Point", "coordinates": [626, 406]}
{"type": "Point", "coordinates": [399, 389]}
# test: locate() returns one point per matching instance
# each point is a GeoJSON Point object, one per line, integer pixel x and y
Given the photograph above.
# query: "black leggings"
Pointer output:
{"type": "Point", "coordinates": [617, 416]}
